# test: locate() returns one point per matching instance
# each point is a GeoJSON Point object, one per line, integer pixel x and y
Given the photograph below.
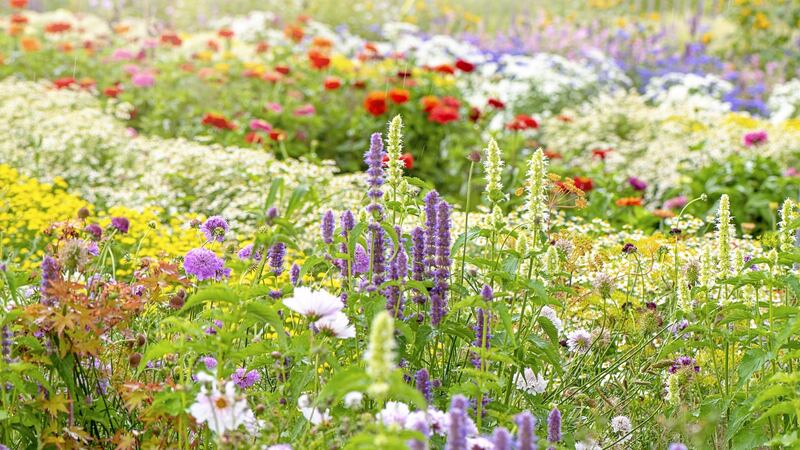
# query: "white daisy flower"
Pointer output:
{"type": "Point", "coordinates": [313, 304]}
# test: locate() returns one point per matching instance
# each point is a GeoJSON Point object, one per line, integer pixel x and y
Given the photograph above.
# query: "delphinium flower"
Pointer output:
{"type": "Point", "coordinates": [579, 341]}
{"type": "Point", "coordinates": [501, 439]}
{"type": "Point", "coordinates": [493, 165]}
{"type": "Point", "coordinates": [380, 354]}
{"type": "Point", "coordinates": [536, 211]}
{"type": "Point", "coordinates": [121, 224]}
{"type": "Point", "coordinates": [422, 381]}
{"type": "Point", "coordinates": [294, 274]}
{"type": "Point", "coordinates": [554, 427]}
{"type": "Point", "coordinates": [393, 414]}
{"type": "Point", "coordinates": [214, 228]}
{"type": "Point", "coordinates": [788, 214]}
{"type": "Point", "coordinates": [458, 428]}
{"type": "Point", "coordinates": [336, 325]}
{"type": "Point", "coordinates": [205, 265]}
{"type": "Point", "coordinates": [247, 253]}
{"type": "Point", "coordinates": [313, 304]}
{"type": "Point", "coordinates": [530, 381]}
{"type": "Point", "coordinates": [221, 410]}
{"type": "Point", "coordinates": [276, 256]}
{"type": "Point", "coordinates": [326, 227]}
{"type": "Point", "coordinates": [621, 425]}
{"type": "Point", "coordinates": [244, 378]}
{"type": "Point", "coordinates": [374, 160]}
{"type": "Point", "coordinates": [398, 271]}
{"type": "Point", "coordinates": [526, 438]}
{"type": "Point", "coordinates": [724, 237]}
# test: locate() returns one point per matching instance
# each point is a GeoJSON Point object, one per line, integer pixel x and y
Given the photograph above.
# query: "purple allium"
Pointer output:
{"type": "Point", "coordinates": [501, 439]}
{"type": "Point", "coordinates": [754, 138]}
{"type": "Point", "coordinates": [398, 271]}
{"type": "Point", "coordinates": [487, 293]}
{"type": "Point", "coordinates": [677, 446]}
{"type": "Point", "coordinates": [121, 224]}
{"type": "Point", "coordinates": [378, 253]}
{"type": "Point", "coordinates": [210, 362]}
{"type": "Point", "coordinates": [245, 379]}
{"type": "Point", "coordinates": [214, 228]}
{"type": "Point", "coordinates": [360, 259]}
{"type": "Point", "coordinates": [482, 335]}
{"type": "Point", "coordinates": [374, 160]}
{"type": "Point", "coordinates": [95, 230]}
{"type": "Point", "coordinates": [423, 383]}
{"type": "Point", "coordinates": [294, 274]}
{"type": "Point", "coordinates": [637, 184]}
{"type": "Point", "coordinates": [526, 439]}
{"type": "Point", "coordinates": [458, 430]}
{"type": "Point", "coordinates": [554, 426]}
{"type": "Point", "coordinates": [326, 226]}
{"type": "Point", "coordinates": [204, 264]}
{"type": "Point", "coordinates": [276, 255]}
{"type": "Point", "coordinates": [247, 253]}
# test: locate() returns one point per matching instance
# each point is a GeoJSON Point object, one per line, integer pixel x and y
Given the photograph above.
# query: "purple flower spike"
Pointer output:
{"type": "Point", "coordinates": [398, 270]}
{"type": "Point", "coordinates": [360, 260]}
{"type": "Point", "coordinates": [294, 274]}
{"type": "Point", "coordinates": [423, 383]}
{"type": "Point", "coordinates": [501, 439]}
{"type": "Point", "coordinates": [526, 439]}
{"type": "Point", "coordinates": [487, 293]}
{"type": "Point", "coordinates": [459, 422]}
{"type": "Point", "coordinates": [326, 227]}
{"type": "Point", "coordinates": [554, 426]}
{"type": "Point", "coordinates": [418, 258]}
{"type": "Point", "coordinates": [378, 253]}
{"type": "Point", "coordinates": [276, 255]}
{"type": "Point", "coordinates": [374, 160]}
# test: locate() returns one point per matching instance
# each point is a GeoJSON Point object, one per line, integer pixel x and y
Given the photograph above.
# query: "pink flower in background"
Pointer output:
{"type": "Point", "coordinates": [150, 43]}
{"type": "Point", "coordinates": [676, 202]}
{"type": "Point", "coordinates": [121, 54]}
{"type": "Point", "coordinates": [274, 107]}
{"type": "Point", "coordinates": [131, 132]}
{"type": "Point", "coordinates": [144, 78]}
{"type": "Point", "coordinates": [130, 69]}
{"type": "Point", "coordinates": [791, 172]}
{"type": "Point", "coordinates": [754, 138]}
{"type": "Point", "coordinates": [305, 110]}
{"type": "Point", "coordinates": [260, 125]}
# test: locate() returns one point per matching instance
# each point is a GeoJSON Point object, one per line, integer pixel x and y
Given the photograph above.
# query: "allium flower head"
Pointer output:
{"type": "Point", "coordinates": [214, 228]}
{"type": "Point", "coordinates": [121, 224]}
{"type": "Point", "coordinates": [205, 265]}
{"type": "Point", "coordinates": [313, 304]}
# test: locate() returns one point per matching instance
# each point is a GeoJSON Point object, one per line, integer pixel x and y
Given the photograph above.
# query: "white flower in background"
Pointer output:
{"type": "Point", "coordinates": [587, 444]}
{"type": "Point", "coordinates": [314, 304]}
{"type": "Point", "coordinates": [579, 341]}
{"type": "Point", "coordinates": [394, 414]}
{"type": "Point", "coordinates": [621, 425]}
{"type": "Point", "coordinates": [415, 419]}
{"type": "Point", "coordinates": [530, 381]}
{"type": "Point", "coordinates": [352, 400]}
{"type": "Point", "coordinates": [784, 102]}
{"type": "Point", "coordinates": [312, 414]}
{"type": "Point", "coordinates": [222, 410]}
{"type": "Point", "coordinates": [479, 443]}
{"type": "Point", "coordinates": [550, 314]}
{"type": "Point", "coordinates": [437, 421]}
{"type": "Point", "coordinates": [336, 325]}
{"type": "Point", "coordinates": [705, 92]}
{"type": "Point", "coordinates": [280, 447]}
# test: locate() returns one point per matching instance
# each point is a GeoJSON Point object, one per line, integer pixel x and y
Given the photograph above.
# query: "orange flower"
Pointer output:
{"type": "Point", "coordinates": [399, 96]}
{"type": "Point", "coordinates": [321, 42]}
{"type": "Point", "coordinates": [18, 3]}
{"type": "Point", "coordinates": [15, 29]}
{"type": "Point", "coordinates": [629, 201]}
{"type": "Point", "coordinates": [30, 44]}
{"type": "Point", "coordinates": [429, 102]}
{"type": "Point", "coordinates": [262, 47]}
{"type": "Point", "coordinates": [294, 32]}
{"type": "Point", "coordinates": [57, 27]}
{"type": "Point", "coordinates": [218, 121]}
{"type": "Point", "coordinates": [65, 47]}
{"type": "Point", "coordinates": [171, 38]}
{"type": "Point", "coordinates": [663, 213]}
{"type": "Point", "coordinates": [225, 33]}
{"type": "Point", "coordinates": [121, 28]}
{"type": "Point", "coordinates": [319, 60]}
{"type": "Point", "coordinates": [253, 138]}
{"type": "Point", "coordinates": [18, 19]}
{"type": "Point", "coordinates": [375, 103]}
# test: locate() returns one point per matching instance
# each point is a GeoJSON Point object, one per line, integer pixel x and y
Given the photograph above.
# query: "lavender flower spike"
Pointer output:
{"type": "Point", "coordinates": [554, 426]}
{"type": "Point", "coordinates": [423, 383]}
{"type": "Point", "coordinates": [276, 255]}
{"type": "Point", "coordinates": [457, 434]}
{"type": "Point", "coordinates": [375, 176]}
{"type": "Point", "coordinates": [326, 227]}
{"type": "Point", "coordinates": [526, 439]}
{"type": "Point", "coordinates": [502, 439]}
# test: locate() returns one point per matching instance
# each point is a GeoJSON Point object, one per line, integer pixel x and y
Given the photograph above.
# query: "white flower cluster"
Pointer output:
{"type": "Point", "coordinates": [700, 92]}
{"type": "Point", "coordinates": [784, 102]}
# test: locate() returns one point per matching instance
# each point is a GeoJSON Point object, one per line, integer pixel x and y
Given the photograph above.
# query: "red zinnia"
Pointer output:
{"type": "Point", "coordinates": [19, 20]}
{"type": "Point", "coordinates": [18, 3]}
{"type": "Point", "coordinates": [112, 91]}
{"type": "Point", "coordinates": [282, 70]}
{"type": "Point", "coordinates": [474, 114]}
{"type": "Point", "coordinates": [57, 27]}
{"type": "Point", "coordinates": [262, 47]}
{"type": "Point", "coordinates": [407, 158]}
{"type": "Point", "coordinates": [496, 103]}
{"type": "Point", "coordinates": [445, 68]}
{"type": "Point", "coordinates": [294, 32]}
{"type": "Point", "coordinates": [62, 83]}
{"type": "Point", "coordinates": [429, 102]}
{"type": "Point", "coordinates": [399, 96]}
{"type": "Point", "coordinates": [171, 39]}
{"type": "Point", "coordinates": [277, 135]}
{"type": "Point", "coordinates": [443, 114]}
{"type": "Point", "coordinates": [551, 154]}
{"type": "Point", "coordinates": [253, 138]}
{"type": "Point", "coordinates": [465, 66]}
{"type": "Point", "coordinates": [218, 121]}
{"type": "Point", "coordinates": [319, 60]}
{"type": "Point", "coordinates": [523, 122]}
{"type": "Point", "coordinates": [225, 33]}
{"type": "Point", "coordinates": [332, 83]}
{"type": "Point", "coordinates": [584, 183]}
{"type": "Point", "coordinates": [601, 152]}
{"type": "Point", "coordinates": [375, 103]}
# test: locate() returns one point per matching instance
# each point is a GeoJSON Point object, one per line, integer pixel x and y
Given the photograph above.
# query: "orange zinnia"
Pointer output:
{"type": "Point", "coordinates": [399, 96]}
{"type": "Point", "coordinates": [375, 103]}
{"type": "Point", "coordinates": [629, 201]}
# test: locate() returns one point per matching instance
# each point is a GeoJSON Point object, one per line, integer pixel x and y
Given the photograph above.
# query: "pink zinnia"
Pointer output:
{"type": "Point", "coordinates": [131, 69]}
{"type": "Point", "coordinates": [791, 172]}
{"type": "Point", "coordinates": [305, 110]}
{"type": "Point", "coordinates": [121, 54]}
{"type": "Point", "coordinates": [676, 202]}
{"type": "Point", "coordinates": [260, 125]}
{"type": "Point", "coordinates": [274, 107]}
{"type": "Point", "coordinates": [754, 138]}
{"type": "Point", "coordinates": [145, 78]}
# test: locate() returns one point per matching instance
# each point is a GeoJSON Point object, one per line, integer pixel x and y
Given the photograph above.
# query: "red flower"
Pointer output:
{"type": "Point", "coordinates": [443, 114]}
{"type": "Point", "coordinates": [375, 103]}
{"type": "Point", "coordinates": [551, 154]}
{"type": "Point", "coordinates": [451, 102]}
{"type": "Point", "coordinates": [277, 135]}
{"type": "Point", "coordinates": [399, 96]}
{"type": "Point", "coordinates": [112, 91]}
{"type": "Point", "coordinates": [359, 84]}
{"type": "Point", "coordinates": [601, 152]}
{"type": "Point", "coordinates": [18, 3]}
{"type": "Point", "coordinates": [171, 39]}
{"type": "Point", "coordinates": [262, 47]}
{"type": "Point", "coordinates": [444, 68]}
{"type": "Point", "coordinates": [212, 45]}
{"type": "Point", "coordinates": [332, 83]}
{"type": "Point", "coordinates": [523, 122]}
{"type": "Point", "coordinates": [87, 83]}
{"type": "Point", "coordinates": [465, 66]}
{"type": "Point", "coordinates": [496, 103]}
{"type": "Point", "coordinates": [225, 33]}
{"type": "Point", "coordinates": [57, 27]}
{"type": "Point", "coordinates": [404, 74]}
{"type": "Point", "coordinates": [218, 121]}
{"type": "Point", "coordinates": [584, 183]}
{"type": "Point", "coordinates": [284, 70]}
{"type": "Point", "coordinates": [474, 114]}
{"type": "Point", "coordinates": [429, 102]}
{"type": "Point", "coordinates": [294, 33]}
{"type": "Point", "coordinates": [319, 60]}
{"type": "Point", "coordinates": [253, 138]}
{"type": "Point", "coordinates": [564, 118]}
{"type": "Point", "coordinates": [62, 83]}
{"type": "Point", "coordinates": [407, 158]}
{"type": "Point", "coordinates": [629, 201]}
{"type": "Point", "coordinates": [16, 19]}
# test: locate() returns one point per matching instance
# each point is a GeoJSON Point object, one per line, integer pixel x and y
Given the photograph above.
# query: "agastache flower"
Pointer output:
{"type": "Point", "coordinates": [536, 211]}
{"type": "Point", "coordinates": [494, 171]}
{"type": "Point", "coordinates": [276, 256]}
{"type": "Point", "coordinates": [423, 383]}
{"type": "Point", "coordinates": [554, 426]}
{"type": "Point", "coordinates": [501, 439]}
{"type": "Point", "coordinates": [374, 160]}
{"type": "Point", "coordinates": [326, 227]}
{"type": "Point", "coordinates": [526, 439]}
{"type": "Point", "coordinates": [724, 236]}
{"type": "Point", "coordinates": [398, 271]}
{"type": "Point", "coordinates": [458, 430]}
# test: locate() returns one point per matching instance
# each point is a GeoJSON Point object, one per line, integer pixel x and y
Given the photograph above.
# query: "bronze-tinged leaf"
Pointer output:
{"type": "Point", "coordinates": [55, 404]}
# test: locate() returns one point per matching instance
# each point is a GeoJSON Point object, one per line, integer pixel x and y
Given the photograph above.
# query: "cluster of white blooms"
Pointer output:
{"type": "Point", "coordinates": [784, 102]}
{"type": "Point", "coordinates": [701, 92]}
{"type": "Point", "coordinates": [42, 128]}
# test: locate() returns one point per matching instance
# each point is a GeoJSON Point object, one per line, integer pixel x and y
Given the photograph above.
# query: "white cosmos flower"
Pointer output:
{"type": "Point", "coordinates": [315, 304]}
{"type": "Point", "coordinates": [530, 382]}
{"type": "Point", "coordinates": [394, 414]}
{"type": "Point", "coordinates": [337, 325]}
{"type": "Point", "coordinates": [222, 410]}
